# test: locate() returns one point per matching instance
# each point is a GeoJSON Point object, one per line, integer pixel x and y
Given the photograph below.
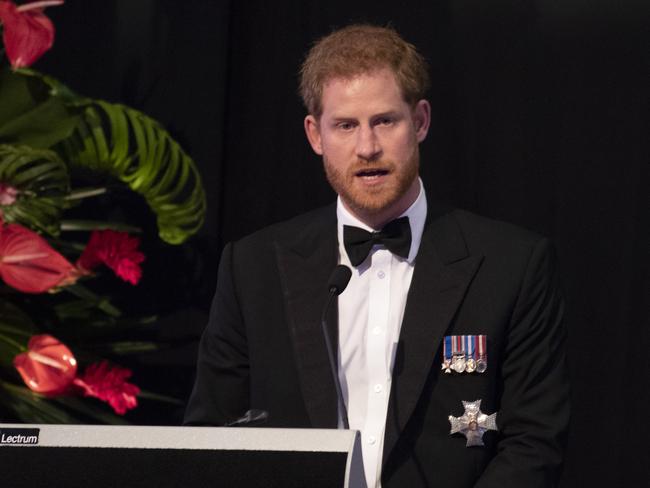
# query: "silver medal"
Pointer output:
{"type": "Point", "coordinates": [458, 364]}
{"type": "Point", "coordinates": [473, 423]}
{"type": "Point", "coordinates": [481, 365]}
{"type": "Point", "coordinates": [470, 366]}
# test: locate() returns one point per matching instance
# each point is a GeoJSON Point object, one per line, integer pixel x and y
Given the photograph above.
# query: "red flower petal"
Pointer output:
{"type": "Point", "coordinates": [29, 264]}
{"type": "Point", "coordinates": [48, 367]}
{"type": "Point", "coordinates": [8, 194]}
{"type": "Point", "coordinates": [110, 385]}
{"type": "Point", "coordinates": [27, 33]}
{"type": "Point", "coordinates": [117, 250]}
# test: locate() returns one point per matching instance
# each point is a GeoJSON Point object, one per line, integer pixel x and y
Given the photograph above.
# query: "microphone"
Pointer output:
{"type": "Point", "coordinates": [339, 279]}
{"type": "Point", "coordinates": [250, 418]}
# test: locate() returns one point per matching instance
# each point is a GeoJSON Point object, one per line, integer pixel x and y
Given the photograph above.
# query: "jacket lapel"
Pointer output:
{"type": "Point", "coordinates": [305, 261]}
{"type": "Point", "coordinates": [442, 273]}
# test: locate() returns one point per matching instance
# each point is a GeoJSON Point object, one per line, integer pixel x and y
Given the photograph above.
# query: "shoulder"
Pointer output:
{"type": "Point", "coordinates": [483, 233]}
{"type": "Point", "coordinates": [307, 226]}
{"type": "Point", "coordinates": [501, 244]}
{"type": "Point", "coordinates": [504, 247]}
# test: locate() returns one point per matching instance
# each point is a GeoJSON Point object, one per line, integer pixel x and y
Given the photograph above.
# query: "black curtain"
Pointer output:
{"type": "Point", "coordinates": [540, 118]}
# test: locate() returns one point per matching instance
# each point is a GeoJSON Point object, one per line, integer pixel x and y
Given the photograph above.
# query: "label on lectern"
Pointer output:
{"type": "Point", "coordinates": [19, 437]}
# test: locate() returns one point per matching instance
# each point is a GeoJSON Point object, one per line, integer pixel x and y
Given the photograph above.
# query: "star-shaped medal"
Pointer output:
{"type": "Point", "coordinates": [473, 423]}
{"type": "Point", "coordinates": [446, 366]}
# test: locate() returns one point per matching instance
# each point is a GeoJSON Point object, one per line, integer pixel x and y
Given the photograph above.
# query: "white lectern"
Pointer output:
{"type": "Point", "coordinates": [83, 456]}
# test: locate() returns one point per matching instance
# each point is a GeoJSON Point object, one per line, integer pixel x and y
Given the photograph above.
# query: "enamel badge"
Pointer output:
{"type": "Point", "coordinates": [473, 423]}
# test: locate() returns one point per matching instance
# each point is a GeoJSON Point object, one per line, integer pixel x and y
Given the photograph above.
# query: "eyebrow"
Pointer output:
{"type": "Point", "coordinates": [389, 113]}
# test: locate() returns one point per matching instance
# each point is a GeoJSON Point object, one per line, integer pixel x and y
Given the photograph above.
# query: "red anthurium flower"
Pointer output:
{"type": "Point", "coordinates": [48, 366]}
{"type": "Point", "coordinates": [117, 250]}
{"type": "Point", "coordinates": [109, 385]}
{"type": "Point", "coordinates": [29, 264]}
{"type": "Point", "coordinates": [27, 32]}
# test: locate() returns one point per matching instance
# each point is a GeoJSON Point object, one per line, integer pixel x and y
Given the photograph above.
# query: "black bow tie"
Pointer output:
{"type": "Point", "coordinates": [395, 236]}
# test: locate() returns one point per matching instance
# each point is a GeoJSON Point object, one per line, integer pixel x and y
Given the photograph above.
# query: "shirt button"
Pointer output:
{"type": "Point", "coordinates": [381, 275]}
{"type": "Point", "coordinates": [376, 330]}
{"type": "Point", "coordinates": [378, 388]}
{"type": "Point", "coordinates": [372, 439]}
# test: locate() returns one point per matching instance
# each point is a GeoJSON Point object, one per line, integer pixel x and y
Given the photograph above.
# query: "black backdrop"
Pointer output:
{"type": "Point", "coordinates": [540, 118]}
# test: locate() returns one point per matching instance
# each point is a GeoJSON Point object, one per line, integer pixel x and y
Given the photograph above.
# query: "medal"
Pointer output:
{"type": "Point", "coordinates": [458, 352]}
{"type": "Point", "coordinates": [464, 354]}
{"type": "Point", "coordinates": [470, 341]}
{"type": "Point", "coordinates": [473, 423]}
{"type": "Point", "coordinates": [481, 362]}
{"type": "Point", "coordinates": [446, 355]}
{"type": "Point", "coordinates": [481, 366]}
{"type": "Point", "coordinates": [470, 367]}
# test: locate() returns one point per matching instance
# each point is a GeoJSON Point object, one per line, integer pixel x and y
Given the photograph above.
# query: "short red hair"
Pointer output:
{"type": "Point", "coordinates": [359, 49]}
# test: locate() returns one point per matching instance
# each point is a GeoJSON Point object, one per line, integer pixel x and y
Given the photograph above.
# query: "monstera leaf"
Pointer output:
{"type": "Point", "coordinates": [134, 148]}
{"type": "Point", "coordinates": [33, 187]}
{"type": "Point", "coordinates": [40, 112]}
{"type": "Point", "coordinates": [33, 111]}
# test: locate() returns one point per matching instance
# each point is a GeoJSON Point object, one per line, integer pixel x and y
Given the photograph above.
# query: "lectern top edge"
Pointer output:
{"type": "Point", "coordinates": [157, 437]}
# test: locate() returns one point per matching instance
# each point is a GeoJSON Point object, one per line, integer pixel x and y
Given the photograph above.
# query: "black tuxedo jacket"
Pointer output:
{"type": "Point", "coordinates": [263, 348]}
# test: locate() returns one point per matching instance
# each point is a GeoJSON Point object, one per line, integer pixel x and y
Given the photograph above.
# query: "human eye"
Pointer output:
{"type": "Point", "coordinates": [345, 125]}
{"type": "Point", "coordinates": [385, 121]}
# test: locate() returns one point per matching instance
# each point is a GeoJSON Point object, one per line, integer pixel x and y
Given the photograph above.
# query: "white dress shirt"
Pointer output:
{"type": "Point", "coordinates": [370, 317]}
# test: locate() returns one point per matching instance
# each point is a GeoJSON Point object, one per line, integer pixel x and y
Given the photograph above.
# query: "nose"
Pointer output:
{"type": "Point", "coordinates": [368, 147]}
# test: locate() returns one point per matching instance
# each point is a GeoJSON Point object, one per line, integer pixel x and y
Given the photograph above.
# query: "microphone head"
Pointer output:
{"type": "Point", "coordinates": [339, 279]}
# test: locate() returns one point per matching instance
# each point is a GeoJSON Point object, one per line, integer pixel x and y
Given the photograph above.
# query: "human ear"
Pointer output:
{"type": "Point", "coordinates": [312, 130]}
{"type": "Point", "coordinates": [421, 119]}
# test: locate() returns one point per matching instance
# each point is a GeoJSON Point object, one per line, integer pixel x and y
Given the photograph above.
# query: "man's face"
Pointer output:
{"type": "Point", "coordinates": [368, 137]}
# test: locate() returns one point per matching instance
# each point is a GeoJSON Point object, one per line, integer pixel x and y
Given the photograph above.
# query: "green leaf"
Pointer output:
{"type": "Point", "coordinates": [41, 181]}
{"type": "Point", "coordinates": [10, 347]}
{"type": "Point", "coordinates": [147, 395]}
{"type": "Point", "coordinates": [15, 330]}
{"type": "Point", "coordinates": [12, 316]}
{"type": "Point", "coordinates": [135, 149]}
{"type": "Point", "coordinates": [91, 408]}
{"type": "Point", "coordinates": [75, 309]}
{"type": "Point", "coordinates": [100, 302]}
{"type": "Point", "coordinates": [39, 111]}
{"type": "Point", "coordinates": [8, 350]}
{"type": "Point", "coordinates": [80, 193]}
{"type": "Point", "coordinates": [124, 347]}
{"type": "Point", "coordinates": [86, 225]}
{"type": "Point", "coordinates": [34, 109]}
{"type": "Point", "coordinates": [34, 408]}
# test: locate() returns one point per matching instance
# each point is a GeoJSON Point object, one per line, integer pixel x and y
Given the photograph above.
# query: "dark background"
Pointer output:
{"type": "Point", "coordinates": [540, 118]}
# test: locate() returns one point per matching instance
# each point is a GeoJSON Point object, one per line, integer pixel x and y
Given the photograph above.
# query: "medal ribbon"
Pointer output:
{"type": "Point", "coordinates": [469, 347]}
{"type": "Point", "coordinates": [447, 348]}
{"type": "Point", "coordinates": [481, 345]}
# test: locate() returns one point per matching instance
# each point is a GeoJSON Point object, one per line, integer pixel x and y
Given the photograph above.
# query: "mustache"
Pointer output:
{"type": "Point", "coordinates": [371, 167]}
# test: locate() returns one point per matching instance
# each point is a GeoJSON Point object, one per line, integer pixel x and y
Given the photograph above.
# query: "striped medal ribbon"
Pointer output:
{"type": "Point", "coordinates": [481, 362]}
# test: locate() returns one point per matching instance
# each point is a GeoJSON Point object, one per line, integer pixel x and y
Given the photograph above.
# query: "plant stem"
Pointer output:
{"type": "Point", "coordinates": [77, 195]}
{"type": "Point", "coordinates": [13, 343]}
{"type": "Point", "coordinates": [14, 330]}
{"type": "Point", "coordinates": [88, 225]}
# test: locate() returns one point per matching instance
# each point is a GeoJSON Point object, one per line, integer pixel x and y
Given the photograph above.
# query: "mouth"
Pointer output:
{"type": "Point", "coordinates": [371, 174]}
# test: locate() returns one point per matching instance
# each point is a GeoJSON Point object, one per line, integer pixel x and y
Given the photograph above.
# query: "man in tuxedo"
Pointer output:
{"type": "Point", "coordinates": [444, 308]}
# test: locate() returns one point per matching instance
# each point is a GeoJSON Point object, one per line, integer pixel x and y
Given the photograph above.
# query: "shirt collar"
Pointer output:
{"type": "Point", "coordinates": [417, 214]}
